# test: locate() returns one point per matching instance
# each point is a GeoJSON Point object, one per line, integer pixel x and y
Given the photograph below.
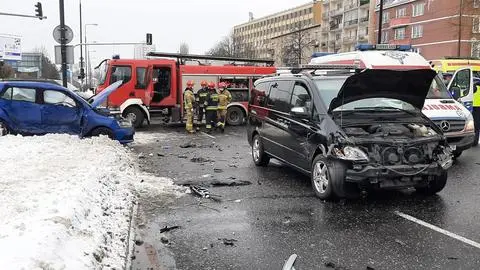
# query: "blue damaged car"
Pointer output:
{"type": "Point", "coordinates": [36, 108]}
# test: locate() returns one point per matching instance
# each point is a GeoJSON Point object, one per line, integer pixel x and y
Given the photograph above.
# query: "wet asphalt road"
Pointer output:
{"type": "Point", "coordinates": [278, 215]}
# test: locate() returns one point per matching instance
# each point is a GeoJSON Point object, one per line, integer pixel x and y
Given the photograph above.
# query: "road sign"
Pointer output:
{"type": "Point", "coordinates": [68, 34]}
{"type": "Point", "coordinates": [58, 54]}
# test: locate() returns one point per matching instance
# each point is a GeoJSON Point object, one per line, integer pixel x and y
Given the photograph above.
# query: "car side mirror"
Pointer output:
{"type": "Point", "coordinates": [456, 92]}
{"type": "Point", "coordinates": [299, 112]}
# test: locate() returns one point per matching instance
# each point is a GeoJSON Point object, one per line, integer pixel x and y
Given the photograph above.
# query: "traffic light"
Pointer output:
{"type": "Point", "coordinates": [149, 39]}
{"type": "Point", "coordinates": [82, 74]}
{"type": "Point", "coordinates": [39, 11]}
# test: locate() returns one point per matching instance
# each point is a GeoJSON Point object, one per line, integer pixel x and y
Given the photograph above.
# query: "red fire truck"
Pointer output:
{"type": "Point", "coordinates": [154, 87]}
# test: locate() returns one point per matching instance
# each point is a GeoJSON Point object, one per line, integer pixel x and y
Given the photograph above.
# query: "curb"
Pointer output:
{"type": "Point", "coordinates": [131, 236]}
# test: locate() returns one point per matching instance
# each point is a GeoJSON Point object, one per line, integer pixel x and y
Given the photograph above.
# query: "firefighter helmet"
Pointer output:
{"type": "Point", "coordinates": [222, 85]}
{"type": "Point", "coordinates": [190, 84]}
{"type": "Point", "coordinates": [203, 83]}
{"type": "Point", "coordinates": [211, 85]}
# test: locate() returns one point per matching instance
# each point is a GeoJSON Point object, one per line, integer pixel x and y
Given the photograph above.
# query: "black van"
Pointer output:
{"type": "Point", "coordinates": [367, 132]}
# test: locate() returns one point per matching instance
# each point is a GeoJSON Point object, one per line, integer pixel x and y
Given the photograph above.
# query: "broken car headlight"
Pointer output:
{"type": "Point", "coordinates": [469, 125]}
{"type": "Point", "coordinates": [351, 153]}
{"type": "Point", "coordinates": [124, 123]}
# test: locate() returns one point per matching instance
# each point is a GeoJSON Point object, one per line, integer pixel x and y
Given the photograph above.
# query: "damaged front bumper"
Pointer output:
{"type": "Point", "coordinates": [399, 175]}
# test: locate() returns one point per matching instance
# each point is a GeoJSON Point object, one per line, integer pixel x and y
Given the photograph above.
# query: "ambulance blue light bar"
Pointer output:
{"type": "Point", "coordinates": [320, 54]}
{"type": "Point", "coordinates": [383, 47]}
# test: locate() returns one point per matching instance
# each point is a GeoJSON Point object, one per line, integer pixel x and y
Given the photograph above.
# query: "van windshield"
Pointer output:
{"type": "Point", "coordinates": [330, 86]}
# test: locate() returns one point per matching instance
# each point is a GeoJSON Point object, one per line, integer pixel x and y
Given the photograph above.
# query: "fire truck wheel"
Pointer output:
{"type": "Point", "coordinates": [135, 115]}
{"type": "Point", "coordinates": [235, 116]}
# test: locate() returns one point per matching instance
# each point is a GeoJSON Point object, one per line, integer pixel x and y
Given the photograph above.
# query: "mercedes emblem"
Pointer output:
{"type": "Point", "coordinates": [445, 126]}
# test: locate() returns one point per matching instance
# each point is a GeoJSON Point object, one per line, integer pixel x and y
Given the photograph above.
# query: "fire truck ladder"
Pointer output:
{"type": "Point", "coordinates": [181, 58]}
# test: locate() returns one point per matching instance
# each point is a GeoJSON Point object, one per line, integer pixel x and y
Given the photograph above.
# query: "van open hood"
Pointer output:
{"type": "Point", "coordinates": [410, 86]}
{"type": "Point", "coordinates": [97, 100]}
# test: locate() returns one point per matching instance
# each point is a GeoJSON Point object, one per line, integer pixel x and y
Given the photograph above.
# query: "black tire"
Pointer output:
{"type": "Point", "coordinates": [102, 131]}
{"type": "Point", "coordinates": [235, 116]}
{"type": "Point", "coordinates": [475, 140]}
{"type": "Point", "coordinates": [435, 185]}
{"type": "Point", "coordinates": [457, 154]}
{"type": "Point", "coordinates": [135, 115]}
{"type": "Point", "coordinates": [4, 130]}
{"type": "Point", "coordinates": [335, 185]}
{"type": "Point", "coordinates": [260, 158]}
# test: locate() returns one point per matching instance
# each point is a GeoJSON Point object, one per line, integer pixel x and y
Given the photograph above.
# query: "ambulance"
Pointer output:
{"type": "Point", "coordinates": [465, 71]}
{"type": "Point", "coordinates": [451, 116]}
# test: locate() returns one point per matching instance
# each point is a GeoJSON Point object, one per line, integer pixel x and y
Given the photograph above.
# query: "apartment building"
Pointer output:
{"type": "Point", "coordinates": [256, 35]}
{"type": "Point", "coordinates": [434, 27]}
{"type": "Point", "coordinates": [345, 24]}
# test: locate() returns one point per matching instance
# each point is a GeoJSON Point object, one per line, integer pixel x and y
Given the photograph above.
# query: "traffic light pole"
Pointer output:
{"type": "Point", "coordinates": [63, 47]}
{"type": "Point", "coordinates": [380, 23]}
{"type": "Point", "coordinates": [82, 71]}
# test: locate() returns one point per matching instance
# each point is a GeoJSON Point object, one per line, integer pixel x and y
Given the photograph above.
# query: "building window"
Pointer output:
{"type": "Point", "coordinates": [385, 36]}
{"type": "Point", "coordinates": [310, 9]}
{"type": "Point", "coordinates": [476, 25]}
{"type": "Point", "coordinates": [400, 33]}
{"type": "Point", "coordinates": [401, 12]}
{"type": "Point", "coordinates": [417, 31]}
{"type": "Point", "coordinates": [386, 17]}
{"type": "Point", "coordinates": [475, 48]}
{"type": "Point", "coordinates": [476, 3]}
{"type": "Point", "coordinates": [418, 9]}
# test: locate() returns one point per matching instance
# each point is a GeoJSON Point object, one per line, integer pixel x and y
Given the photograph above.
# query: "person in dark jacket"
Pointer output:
{"type": "Point", "coordinates": [201, 96]}
{"type": "Point", "coordinates": [211, 106]}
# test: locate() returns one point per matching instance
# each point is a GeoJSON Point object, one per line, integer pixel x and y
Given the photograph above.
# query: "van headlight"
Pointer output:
{"type": "Point", "coordinates": [124, 123]}
{"type": "Point", "coordinates": [469, 124]}
{"type": "Point", "coordinates": [350, 153]}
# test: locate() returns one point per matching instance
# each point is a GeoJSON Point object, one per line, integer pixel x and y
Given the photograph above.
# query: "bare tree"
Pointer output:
{"type": "Point", "coordinates": [184, 48]}
{"type": "Point", "coordinates": [49, 69]}
{"type": "Point", "coordinates": [295, 45]}
{"type": "Point", "coordinates": [231, 46]}
{"type": "Point", "coordinates": [6, 71]}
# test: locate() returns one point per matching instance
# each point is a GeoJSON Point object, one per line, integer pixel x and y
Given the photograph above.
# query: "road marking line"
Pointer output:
{"type": "Point", "coordinates": [438, 229]}
{"type": "Point", "coordinates": [208, 135]}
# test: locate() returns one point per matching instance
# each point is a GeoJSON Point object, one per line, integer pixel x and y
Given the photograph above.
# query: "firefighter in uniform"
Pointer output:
{"type": "Point", "coordinates": [201, 95]}
{"type": "Point", "coordinates": [211, 104]}
{"type": "Point", "coordinates": [476, 110]}
{"type": "Point", "coordinates": [224, 98]}
{"type": "Point", "coordinates": [188, 101]}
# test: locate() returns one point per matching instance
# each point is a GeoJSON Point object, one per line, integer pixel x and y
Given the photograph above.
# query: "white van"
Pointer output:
{"type": "Point", "coordinates": [451, 116]}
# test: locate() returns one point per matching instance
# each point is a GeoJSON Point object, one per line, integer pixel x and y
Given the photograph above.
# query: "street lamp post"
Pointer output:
{"type": "Point", "coordinates": [86, 50]}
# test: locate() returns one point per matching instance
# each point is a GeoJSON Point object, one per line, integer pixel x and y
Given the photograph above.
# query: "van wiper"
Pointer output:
{"type": "Point", "coordinates": [384, 108]}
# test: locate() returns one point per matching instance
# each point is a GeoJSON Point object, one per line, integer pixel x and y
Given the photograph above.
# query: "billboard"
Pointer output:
{"type": "Point", "coordinates": [10, 48]}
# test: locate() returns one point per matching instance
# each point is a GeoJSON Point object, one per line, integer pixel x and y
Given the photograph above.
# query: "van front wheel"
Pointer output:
{"type": "Point", "coordinates": [260, 158]}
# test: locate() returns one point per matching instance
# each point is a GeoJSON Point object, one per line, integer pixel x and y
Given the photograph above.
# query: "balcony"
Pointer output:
{"type": "Point", "coordinates": [336, 12]}
{"type": "Point", "coordinates": [398, 22]}
{"type": "Point", "coordinates": [364, 20]}
{"type": "Point", "coordinates": [347, 40]}
{"type": "Point", "coordinates": [350, 23]}
{"type": "Point", "coordinates": [324, 45]}
{"type": "Point", "coordinates": [351, 6]}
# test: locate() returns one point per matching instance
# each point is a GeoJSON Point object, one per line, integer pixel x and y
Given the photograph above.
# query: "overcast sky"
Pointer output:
{"type": "Point", "coordinates": [198, 23]}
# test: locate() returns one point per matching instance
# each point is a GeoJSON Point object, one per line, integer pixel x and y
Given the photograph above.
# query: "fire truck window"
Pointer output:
{"type": "Point", "coordinates": [123, 73]}
{"type": "Point", "coordinates": [141, 78]}
{"type": "Point", "coordinates": [161, 87]}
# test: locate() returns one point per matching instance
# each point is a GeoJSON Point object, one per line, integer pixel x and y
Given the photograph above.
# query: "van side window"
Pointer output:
{"type": "Point", "coordinates": [300, 96]}
{"type": "Point", "coordinates": [259, 94]}
{"type": "Point", "coordinates": [280, 95]}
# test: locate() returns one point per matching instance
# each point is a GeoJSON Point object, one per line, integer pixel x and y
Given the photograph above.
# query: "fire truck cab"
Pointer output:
{"type": "Point", "coordinates": [154, 87]}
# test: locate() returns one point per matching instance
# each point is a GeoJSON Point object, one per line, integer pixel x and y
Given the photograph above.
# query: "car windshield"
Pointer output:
{"type": "Point", "coordinates": [330, 86]}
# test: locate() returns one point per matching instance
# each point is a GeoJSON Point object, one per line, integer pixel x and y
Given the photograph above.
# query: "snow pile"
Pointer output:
{"type": "Point", "coordinates": [66, 203]}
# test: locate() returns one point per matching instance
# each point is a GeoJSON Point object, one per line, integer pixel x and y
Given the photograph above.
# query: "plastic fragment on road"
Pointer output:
{"type": "Point", "coordinates": [290, 262]}
{"type": "Point", "coordinates": [167, 229]}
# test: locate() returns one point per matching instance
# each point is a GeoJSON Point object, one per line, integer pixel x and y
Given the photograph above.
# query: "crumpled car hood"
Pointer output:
{"type": "Point", "coordinates": [411, 86]}
{"type": "Point", "coordinates": [102, 96]}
